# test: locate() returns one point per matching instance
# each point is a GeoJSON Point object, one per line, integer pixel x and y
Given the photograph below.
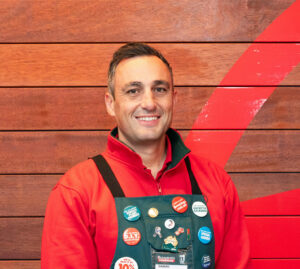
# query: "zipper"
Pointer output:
{"type": "Point", "coordinates": [159, 187]}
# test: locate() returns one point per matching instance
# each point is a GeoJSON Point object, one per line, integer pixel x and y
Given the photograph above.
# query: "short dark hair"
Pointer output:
{"type": "Point", "coordinates": [131, 50]}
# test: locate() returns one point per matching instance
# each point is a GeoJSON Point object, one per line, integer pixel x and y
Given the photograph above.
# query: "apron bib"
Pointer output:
{"type": "Point", "coordinates": [161, 232]}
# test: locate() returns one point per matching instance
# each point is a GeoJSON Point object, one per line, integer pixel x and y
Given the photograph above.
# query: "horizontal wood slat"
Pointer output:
{"type": "Point", "coordinates": [276, 263]}
{"type": "Point", "coordinates": [87, 64]}
{"type": "Point", "coordinates": [84, 108]}
{"type": "Point", "coordinates": [266, 151]}
{"type": "Point", "coordinates": [55, 152]}
{"type": "Point", "coordinates": [20, 264]}
{"type": "Point", "coordinates": [256, 185]}
{"type": "Point", "coordinates": [283, 203]}
{"type": "Point", "coordinates": [27, 195]}
{"type": "Point", "coordinates": [107, 21]}
{"type": "Point", "coordinates": [20, 238]}
{"type": "Point", "coordinates": [274, 237]}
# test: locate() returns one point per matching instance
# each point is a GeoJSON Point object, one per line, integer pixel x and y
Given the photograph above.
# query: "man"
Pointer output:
{"type": "Point", "coordinates": [147, 201]}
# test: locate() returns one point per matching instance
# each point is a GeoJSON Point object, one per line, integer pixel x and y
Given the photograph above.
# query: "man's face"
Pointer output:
{"type": "Point", "coordinates": [144, 98]}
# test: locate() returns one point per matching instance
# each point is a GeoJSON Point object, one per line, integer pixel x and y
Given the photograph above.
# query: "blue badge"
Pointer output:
{"type": "Point", "coordinates": [204, 235]}
{"type": "Point", "coordinates": [131, 213]}
{"type": "Point", "coordinates": [206, 261]}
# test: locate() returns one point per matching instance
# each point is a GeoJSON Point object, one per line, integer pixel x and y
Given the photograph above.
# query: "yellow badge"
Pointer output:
{"type": "Point", "coordinates": [153, 212]}
{"type": "Point", "coordinates": [171, 240]}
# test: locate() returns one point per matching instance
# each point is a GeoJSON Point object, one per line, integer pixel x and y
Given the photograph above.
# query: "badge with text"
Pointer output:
{"type": "Point", "coordinates": [131, 213]}
{"type": "Point", "coordinates": [126, 263]}
{"type": "Point", "coordinates": [131, 236]}
{"type": "Point", "coordinates": [179, 204]}
{"type": "Point", "coordinates": [204, 235]}
{"type": "Point", "coordinates": [206, 261]}
{"type": "Point", "coordinates": [199, 209]}
{"type": "Point", "coordinates": [153, 212]}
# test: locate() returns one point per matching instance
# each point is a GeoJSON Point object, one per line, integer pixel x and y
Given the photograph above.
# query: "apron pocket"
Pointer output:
{"type": "Point", "coordinates": [169, 233]}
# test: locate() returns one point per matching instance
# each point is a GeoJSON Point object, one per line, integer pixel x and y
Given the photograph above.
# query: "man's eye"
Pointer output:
{"type": "Point", "coordinates": [160, 89]}
{"type": "Point", "coordinates": [132, 91]}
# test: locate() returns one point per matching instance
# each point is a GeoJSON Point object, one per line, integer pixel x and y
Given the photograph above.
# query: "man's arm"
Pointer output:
{"type": "Point", "coordinates": [235, 252]}
{"type": "Point", "coordinates": [67, 240]}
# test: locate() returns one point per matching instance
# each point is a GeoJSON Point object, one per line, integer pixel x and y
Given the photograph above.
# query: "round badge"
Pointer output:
{"type": "Point", "coordinates": [199, 209]}
{"type": "Point", "coordinates": [169, 224]}
{"type": "Point", "coordinates": [126, 263]}
{"type": "Point", "coordinates": [153, 212]}
{"type": "Point", "coordinates": [131, 213]}
{"type": "Point", "coordinates": [131, 236]}
{"type": "Point", "coordinates": [206, 261]}
{"type": "Point", "coordinates": [179, 204]}
{"type": "Point", "coordinates": [204, 235]}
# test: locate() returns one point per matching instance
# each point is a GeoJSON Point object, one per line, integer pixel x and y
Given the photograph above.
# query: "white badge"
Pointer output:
{"type": "Point", "coordinates": [199, 209]}
{"type": "Point", "coordinates": [169, 224]}
{"type": "Point", "coordinates": [125, 263]}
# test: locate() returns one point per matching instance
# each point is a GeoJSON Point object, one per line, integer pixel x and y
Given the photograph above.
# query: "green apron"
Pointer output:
{"type": "Point", "coordinates": [161, 232]}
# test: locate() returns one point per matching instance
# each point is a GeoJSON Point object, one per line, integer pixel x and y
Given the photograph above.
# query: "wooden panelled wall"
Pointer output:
{"type": "Point", "coordinates": [53, 62]}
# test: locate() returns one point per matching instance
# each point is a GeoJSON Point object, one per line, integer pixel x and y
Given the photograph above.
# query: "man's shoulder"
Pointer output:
{"type": "Point", "coordinates": [81, 176]}
{"type": "Point", "coordinates": [209, 168]}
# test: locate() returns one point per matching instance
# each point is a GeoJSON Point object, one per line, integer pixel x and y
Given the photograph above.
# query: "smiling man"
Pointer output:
{"type": "Point", "coordinates": [147, 201]}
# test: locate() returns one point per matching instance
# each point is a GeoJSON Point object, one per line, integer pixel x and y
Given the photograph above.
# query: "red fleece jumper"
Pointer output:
{"type": "Point", "coordinates": [81, 227]}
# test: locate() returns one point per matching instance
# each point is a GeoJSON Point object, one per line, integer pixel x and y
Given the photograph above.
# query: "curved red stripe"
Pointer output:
{"type": "Point", "coordinates": [235, 107]}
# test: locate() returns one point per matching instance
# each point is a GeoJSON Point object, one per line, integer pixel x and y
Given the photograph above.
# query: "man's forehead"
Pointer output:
{"type": "Point", "coordinates": [142, 68]}
{"type": "Point", "coordinates": [141, 61]}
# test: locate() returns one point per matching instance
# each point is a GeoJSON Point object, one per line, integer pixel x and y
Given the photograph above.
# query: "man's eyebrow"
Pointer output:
{"type": "Point", "coordinates": [133, 84]}
{"type": "Point", "coordinates": [161, 82]}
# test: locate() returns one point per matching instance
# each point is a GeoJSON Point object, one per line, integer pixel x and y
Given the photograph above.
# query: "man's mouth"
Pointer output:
{"type": "Point", "coordinates": [149, 118]}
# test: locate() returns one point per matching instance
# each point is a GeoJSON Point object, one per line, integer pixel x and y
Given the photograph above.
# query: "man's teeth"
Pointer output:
{"type": "Point", "coordinates": [148, 118]}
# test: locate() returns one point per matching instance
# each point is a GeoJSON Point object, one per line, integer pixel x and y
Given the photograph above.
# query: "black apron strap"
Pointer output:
{"type": "Point", "coordinates": [108, 176]}
{"type": "Point", "coordinates": [194, 184]}
{"type": "Point", "coordinates": [114, 186]}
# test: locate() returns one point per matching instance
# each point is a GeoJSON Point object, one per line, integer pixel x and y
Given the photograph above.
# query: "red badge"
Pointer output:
{"type": "Point", "coordinates": [179, 204]}
{"type": "Point", "coordinates": [131, 236]}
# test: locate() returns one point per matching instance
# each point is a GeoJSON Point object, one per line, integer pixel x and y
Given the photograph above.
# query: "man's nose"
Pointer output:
{"type": "Point", "coordinates": [148, 101]}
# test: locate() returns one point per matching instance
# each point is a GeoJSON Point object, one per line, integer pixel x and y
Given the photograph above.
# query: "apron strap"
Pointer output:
{"type": "Point", "coordinates": [108, 176]}
{"type": "Point", "coordinates": [114, 186]}
{"type": "Point", "coordinates": [194, 184]}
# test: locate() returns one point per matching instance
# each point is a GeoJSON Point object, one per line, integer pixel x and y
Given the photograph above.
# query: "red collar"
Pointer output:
{"type": "Point", "coordinates": [119, 150]}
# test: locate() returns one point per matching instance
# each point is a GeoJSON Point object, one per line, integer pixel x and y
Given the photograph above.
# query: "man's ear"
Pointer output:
{"type": "Point", "coordinates": [174, 97]}
{"type": "Point", "coordinates": [110, 104]}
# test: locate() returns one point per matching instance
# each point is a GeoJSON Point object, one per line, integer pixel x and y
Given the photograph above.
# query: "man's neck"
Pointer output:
{"type": "Point", "coordinates": [153, 157]}
{"type": "Point", "coordinates": [153, 154]}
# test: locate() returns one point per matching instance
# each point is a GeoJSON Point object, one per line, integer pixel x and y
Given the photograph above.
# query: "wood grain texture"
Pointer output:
{"type": "Point", "coordinates": [266, 151]}
{"type": "Point", "coordinates": [27, 195]}
{"type": "Point", "coordinates": [256, 185]}
{"type": "Point", "coordinates": [55, 152]}
{"type": "Point", "coordinates": [87, 64]}
{"type": "Point", "coordinates": [281, 239]}
{"type": "Point", "coordinates": [84, 109]}
{"type": "Point", "coordinates": [119, 21]}
{"type": "Point", "coordinates": [20, 264]}
{"type": "Point", "coordinates": [20, 238]}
